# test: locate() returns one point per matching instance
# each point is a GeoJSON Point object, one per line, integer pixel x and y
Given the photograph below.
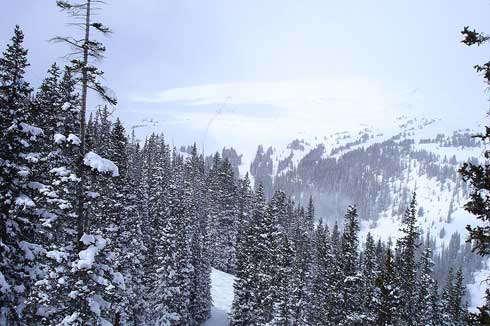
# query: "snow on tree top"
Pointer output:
{"type": "Point", "coordinates": [100, 164]}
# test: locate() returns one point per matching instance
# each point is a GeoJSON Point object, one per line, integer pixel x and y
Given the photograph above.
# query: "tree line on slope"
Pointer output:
{"type": "Point", "coordinates": [292, 272]}
{"type": "Point", "coordinates": [373, 177]}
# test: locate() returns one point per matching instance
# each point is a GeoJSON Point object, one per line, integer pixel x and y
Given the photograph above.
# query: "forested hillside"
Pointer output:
{"type": "Point", "coordinates": [98, 228]}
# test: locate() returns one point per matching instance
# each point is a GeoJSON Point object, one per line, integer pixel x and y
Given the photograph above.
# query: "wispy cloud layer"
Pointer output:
{"type": "Point", "coordinates": [279, 111]}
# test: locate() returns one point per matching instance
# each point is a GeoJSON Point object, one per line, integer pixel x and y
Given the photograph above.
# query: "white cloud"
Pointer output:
{"type": "Point", "coordinates": [283, 110]}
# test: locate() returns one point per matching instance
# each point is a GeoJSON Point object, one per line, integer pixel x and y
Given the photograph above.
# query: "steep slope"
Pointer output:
{"type": "Point", "coordinates": [377, 169]}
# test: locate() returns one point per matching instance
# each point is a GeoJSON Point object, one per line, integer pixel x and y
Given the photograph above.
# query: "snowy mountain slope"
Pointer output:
{"type": "Point", "coordinates": [222, 294]}
{"type": "Point", "coordinates": [377, 169]}
{"type": "Point", "coordinates": [364, 135]}
{"type": "Point", "coordinates": [441, 197]}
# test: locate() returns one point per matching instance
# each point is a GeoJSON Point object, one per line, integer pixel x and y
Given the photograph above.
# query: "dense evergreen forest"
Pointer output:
{"type": "Point", "coordinates": [97, 228]}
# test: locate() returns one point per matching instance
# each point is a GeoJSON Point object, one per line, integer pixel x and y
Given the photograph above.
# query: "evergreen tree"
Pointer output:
{"type": "Point", "coordinates": [427, 312]}
{"type": "Point", "coordinates": [386, 293]}
{"type": "Point", "coordinates": [406, 266]}
{"type": "Point", "coordinates": [321, 286]}
{"type": "Point", "coordinates": [200, 296]}
{"type": "Point", "coordinates": [18, 158]}
{"type": "Point", "coordinates": [336, 276]}
{"type": "Point", "coordinates": [223, 221]}
{"type": "Point", "coordinates": [478, 174]}
{"type": "Point", "coordinates": [370, 270]}
{"type": "Point", "coordinates": [350, 289]}
{"type": "Point", "coordinates": [279, 255]}
{"type": "Point", "coordinates": [241, 312]}
{"type": "Point", "coordinates": [280, 311]}
{"type": "Point", "coordinates": [454, 295]}
{"type": "Point", "coordinates": [302, 268]}
{"type": "Point", "coordinates": [58, 173]}
{"type": "Point", "coordinates": [262, 259]}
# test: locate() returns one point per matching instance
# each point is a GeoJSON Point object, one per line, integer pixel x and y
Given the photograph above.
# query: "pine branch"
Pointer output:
{"type": "Point", "coordinates": [472, 37]}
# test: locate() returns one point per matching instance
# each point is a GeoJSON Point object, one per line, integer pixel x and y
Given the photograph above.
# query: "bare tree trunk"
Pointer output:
{"type": "Point", "coordinates": [81, 186]}
{"type": "Point", "coordinates": [117, 319]}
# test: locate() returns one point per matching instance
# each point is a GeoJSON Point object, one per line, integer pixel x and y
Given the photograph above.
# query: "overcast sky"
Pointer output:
{"type": "Point", "coordinates": [221, 71]}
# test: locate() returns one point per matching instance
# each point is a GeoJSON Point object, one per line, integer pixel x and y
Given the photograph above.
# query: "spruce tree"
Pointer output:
{"type": "Point", "coordinates": [279, 258]}
{"type": "Point", "coordinates": [223, 221]}
{"type": "Point", "coordinates": [476, 174]}
{"type": "Point", "coordinates": [336, 276]}
{"type": "Point", "coordinates": [241, 312]}
{"type": "Point", "coordinates": [19, 155]}
{"type": "Point", "coordinates": [262, 259]}
{"type": "Point", "coordinates": [406, 266]}
{"type": "Point", "coordinates": [321, 286]}
{"type": "Point", "coordinates": [454, 295]}
{"type": "Point", "coordinates": [427, 312]}
{"type": "Point", "coordinates": [200, 295]}
{"type": "Point", "coordinates": [280, 311]}
{"type": "Point", "coordinates": [369, 270]}
{"type": "Point", "coordinates": [351, 278]}
{"type": "Point", "coordinates": [386, 299]}
{"type": "Point", "coordinates": [58, 99]}
{"type": "Point", "coordinates": [302, 268]}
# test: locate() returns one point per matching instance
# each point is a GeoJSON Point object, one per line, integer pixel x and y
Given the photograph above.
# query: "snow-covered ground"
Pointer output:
{"type": "Point", "coordinates": [476, 290]}
{"type": "Point", "coordinates": [222, 293]}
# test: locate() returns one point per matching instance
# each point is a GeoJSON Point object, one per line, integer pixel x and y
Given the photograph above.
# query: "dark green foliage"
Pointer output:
{"type": "Point", "coordinates": [406, 266]}
{"type": "Point", "coordinates": [386, 299]}
{"type": "Point", "coordinates": [19, 138]}
{"type": "Point", "coordinates": [478, 175]}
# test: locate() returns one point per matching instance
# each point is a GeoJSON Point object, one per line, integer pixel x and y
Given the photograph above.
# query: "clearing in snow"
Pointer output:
{"type": "Point", "coordinates": [222, 293]}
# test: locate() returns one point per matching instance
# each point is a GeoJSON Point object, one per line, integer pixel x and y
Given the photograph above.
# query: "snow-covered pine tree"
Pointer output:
{"type": "Point", "coordinates": [154, 205]}
{"type": "Point", "coordinates": [18, 157]}
{"type": "Point", "coordinates": [406, 266]}
{"type": "Point", "coordinates": [223, 221]}
{"type": "Point", "coordinates": [57, 99]}
{"type": "Point", "coordinates": [200, 289]}
{"type": "Point", "coordinates": [427, 312]}
{"type": "Point", "coordinates": [88, 77]}
{"type": "Point", "coordinates": [322, 281]}
{"type": "Point", "coordinates": [262, 259]}
{"type": "Point", "coordinates": [369, 270]}
{"type": "Point", "coordinates": [279, 247]}
{"type": "Point", "coordinates": [454, 299]}
{"type": "Point", "coordinates": [351, 282]}
{"type": "Point", "coordinates": [280, 310]}
{"type": "Point", "coordinates": [302, 267]}
{"type": "Point", "coordinates": [91, 265]}
{"type": "Point", "coordinates": [44, 109]}
{"type": "Point", "coordinates": [335, 293]}
{"type": "Point", "coordinates": [386, 298]}
{"type": "Point", "coordinates": [172, 288]}
{"type": "Point", "coordinates": [241, 312]}
{"type": "Point", "coordinates": [124, 231]}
